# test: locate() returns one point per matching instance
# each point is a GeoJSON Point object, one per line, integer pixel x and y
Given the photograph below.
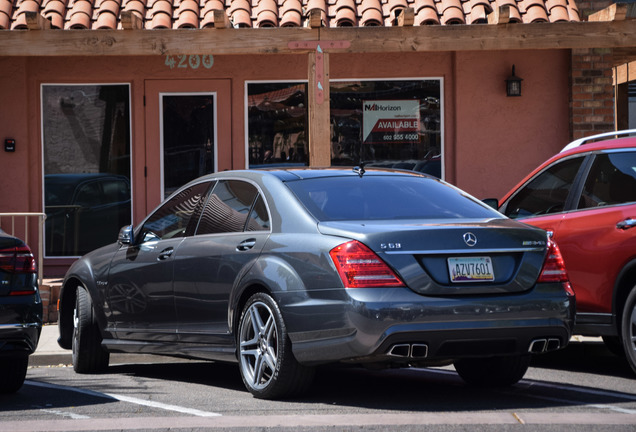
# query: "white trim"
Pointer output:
{"type": "Point", "coordinates": [130, 149]}
{"type": "Point", "coordinates": [161, 142]}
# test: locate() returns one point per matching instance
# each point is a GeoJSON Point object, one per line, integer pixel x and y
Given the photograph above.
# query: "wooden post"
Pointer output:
{"type": "Point", "coordinates": [319, 112]}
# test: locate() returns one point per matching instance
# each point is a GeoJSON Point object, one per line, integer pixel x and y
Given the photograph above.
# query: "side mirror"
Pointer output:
{"type": "Point", "coordinates": [492, 202]}
{"type": "Point", "coordinates": [125, 235]}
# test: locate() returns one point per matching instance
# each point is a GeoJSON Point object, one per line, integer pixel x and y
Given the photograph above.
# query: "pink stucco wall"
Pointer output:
{"type": "Point", "coordinates": [490, 140]}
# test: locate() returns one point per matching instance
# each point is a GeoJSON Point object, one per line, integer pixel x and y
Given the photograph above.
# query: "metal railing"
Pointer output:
{"type": "Point", "coordinates": [40, 248]}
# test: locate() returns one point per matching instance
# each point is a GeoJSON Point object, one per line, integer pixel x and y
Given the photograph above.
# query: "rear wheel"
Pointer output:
{"type": "Point", "coordinates": [628, 328]}
{"type": "Point", "coordinates": [14, 371]}
{"type": "Point", "coordinates": [88, 354]}
{"type": "Point", "coordinates": [493, 371]}
{"type": "Point", "coordinates": [268, 366]}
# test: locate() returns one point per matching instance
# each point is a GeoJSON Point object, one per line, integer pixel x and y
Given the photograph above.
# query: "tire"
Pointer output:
{"type": "Point", "coordinates": [628, 328]}
{"type": "Point", "coordinates": [493, 371]}
{"type": "Point", "coordinates": [88, 354]}
{"type": "Point", "coordinates": [268, 367]}
{"type": "Point", "coordinates": [13, 373]}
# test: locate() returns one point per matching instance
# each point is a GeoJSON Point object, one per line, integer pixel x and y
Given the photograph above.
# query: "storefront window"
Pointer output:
{"type": "Point", "coordinates": [86, 154]}
{"type": "Point", "coordinates": [393, 124]}
{"type": "Point", "coordinates": [277, 124]}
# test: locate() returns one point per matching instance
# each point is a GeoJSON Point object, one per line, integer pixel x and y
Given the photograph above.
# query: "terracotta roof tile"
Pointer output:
{"type": "Point", "coordinates": [94, 14]}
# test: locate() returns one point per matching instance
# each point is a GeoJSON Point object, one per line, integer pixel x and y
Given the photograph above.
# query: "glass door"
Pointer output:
{"type": "Point", "coordinates": [185, 122]}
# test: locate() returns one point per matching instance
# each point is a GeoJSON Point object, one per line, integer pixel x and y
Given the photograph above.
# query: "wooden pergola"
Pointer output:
{"type": "Point", "coordinates": [613, 28]}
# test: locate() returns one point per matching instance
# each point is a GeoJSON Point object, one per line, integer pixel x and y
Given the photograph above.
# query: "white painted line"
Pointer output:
{"type": "Point", "coordinates": [121, 398]}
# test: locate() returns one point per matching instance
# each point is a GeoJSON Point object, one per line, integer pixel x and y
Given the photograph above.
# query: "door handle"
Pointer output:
{"type": "Point", "coordinates": [246, 245]}
{"type": "Point", "coordinates": [626, 224]}
{"type": "Point", "coordinates": [165, 254]}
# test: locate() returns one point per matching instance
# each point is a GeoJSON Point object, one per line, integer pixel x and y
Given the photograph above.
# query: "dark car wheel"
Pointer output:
{"type": "Point", "coordinates": [88, 354]}
{"type": "Point", "coordinates": [14, 371]}
{"type": "Point", "coordinates": [628, 328]}
{"type": "Point", "coordinates": [268, 367]}
{"type": "Point", "coordinates": [493, 371]}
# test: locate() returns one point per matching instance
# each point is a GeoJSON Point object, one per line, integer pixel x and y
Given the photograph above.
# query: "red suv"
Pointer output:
{"type": "Point", "coordinates": [586, 196]}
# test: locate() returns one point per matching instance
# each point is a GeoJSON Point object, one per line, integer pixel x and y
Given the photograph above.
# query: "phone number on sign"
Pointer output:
{"type": "Point", "coordinates": [401, 137]}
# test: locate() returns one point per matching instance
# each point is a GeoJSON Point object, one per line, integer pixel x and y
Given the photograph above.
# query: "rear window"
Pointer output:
{"type": "Point", "coordinates": [386, 197]}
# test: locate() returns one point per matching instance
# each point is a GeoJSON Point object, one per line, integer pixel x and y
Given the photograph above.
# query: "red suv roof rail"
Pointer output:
{"type": "Point", "coordinates": [586, 140]}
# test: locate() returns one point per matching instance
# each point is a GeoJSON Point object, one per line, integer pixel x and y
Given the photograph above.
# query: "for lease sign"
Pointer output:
{"type": "Point", "coordinates": [390, 122]}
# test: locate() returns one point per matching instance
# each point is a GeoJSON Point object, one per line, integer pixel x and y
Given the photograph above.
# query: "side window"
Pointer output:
{"type": "Point", "coordinates": [547, 192]}
{"type": "Point", "coordinates": [259, 218]}
{"type": "Point", "coordinates": [227, 207]}
{"type": "Point", "coordinates": [173, 218]}
{"type": "Point", "coordinates": [612, 180]}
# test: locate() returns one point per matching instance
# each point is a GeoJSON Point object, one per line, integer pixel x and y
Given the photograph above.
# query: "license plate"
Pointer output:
{"type": "Point", "coordinates": [472, 269]}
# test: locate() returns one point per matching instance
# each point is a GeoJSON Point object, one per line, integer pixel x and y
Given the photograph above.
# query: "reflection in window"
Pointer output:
{"type": "Point", "coordinates": [174, 217]}
{"type": "Point", "coordinates": [612, 180]}
{"type": "Point", "coordinates": [547, 192]}
{"type": "Point", "coordinates": [277, 128]}
{"type": "Point", "coordinates": [86, 153]}
{"type": "Point", "coordinates": [227, 208]}
{"type": "Point", "coordinates": [394, 124]}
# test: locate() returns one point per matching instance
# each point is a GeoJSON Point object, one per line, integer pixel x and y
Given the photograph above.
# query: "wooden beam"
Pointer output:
{"type": "Point", "coordinates": [131, 21]}
{"type": "Point", "coordinates": [615, 12]}
{"type": "Point", "coordinates": [315, 18]}
{"type": "Point", "coordinates": [499, 15]}
{"type": "Point", "coordinates": [318, 109]}
{"type": "Point", "coordinates": [405, 17]}
{"type": "Point", "coordinates": [221, 20]}
{"type": "Point", "coordinates": [561, 35]}
{"type": "Point", "coordinates": [625, 73]}
{"type": "Point", "coordinates": [35, 21]}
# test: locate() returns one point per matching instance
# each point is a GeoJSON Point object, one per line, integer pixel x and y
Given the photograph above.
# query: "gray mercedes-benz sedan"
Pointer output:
{"type": "Point", "coordinates": [283, 270]}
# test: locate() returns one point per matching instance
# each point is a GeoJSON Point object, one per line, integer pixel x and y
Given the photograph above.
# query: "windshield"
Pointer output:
{"type": "Point", "coordinates": [386, 197]}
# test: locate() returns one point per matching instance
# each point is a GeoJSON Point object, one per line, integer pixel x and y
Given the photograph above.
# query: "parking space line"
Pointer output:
{"type": "Point", "coordinates": [122, 398]}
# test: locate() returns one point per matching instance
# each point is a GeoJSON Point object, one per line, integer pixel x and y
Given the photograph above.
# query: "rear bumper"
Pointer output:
{"type": "Point", "coordinates": [399, 326]}
{"type": "Point", "coordinates": [19, 339]}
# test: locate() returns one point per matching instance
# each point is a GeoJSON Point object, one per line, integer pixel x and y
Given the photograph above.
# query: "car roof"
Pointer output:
{"type": "Point", "coordinates": [593, 138]}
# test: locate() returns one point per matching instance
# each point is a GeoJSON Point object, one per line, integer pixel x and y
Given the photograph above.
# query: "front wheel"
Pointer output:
{"type": "Point", "coordinates": [493, 371]}
{"type": "Point", "coordinates": [88, 354]}
{"type": "Point", "coordinates": [628, 328]}
{"type": "Point", "coordinates": [268, 367]}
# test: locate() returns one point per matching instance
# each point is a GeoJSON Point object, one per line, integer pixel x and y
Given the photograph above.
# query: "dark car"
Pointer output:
{"type": "Point", "coordinates": [20, 311]}
{"type": "Point", "coordinates": [76, 204]}
{"type": "Point", "coordinates": [586, 196]}
{"type": "Point", "coordinates": [285, 270]}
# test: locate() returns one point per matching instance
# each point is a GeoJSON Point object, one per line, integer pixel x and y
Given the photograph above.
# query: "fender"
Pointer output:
{"type": "Point", "coordinates": [89, 273]}
{"type": "Point", "coordinates": [623, 284]}
{"type": "Point", "coordinates": [269, 273]}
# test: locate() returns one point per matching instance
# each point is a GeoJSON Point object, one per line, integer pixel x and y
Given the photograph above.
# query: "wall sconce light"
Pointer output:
{"type": "Point", "coordinates": [513, 84]}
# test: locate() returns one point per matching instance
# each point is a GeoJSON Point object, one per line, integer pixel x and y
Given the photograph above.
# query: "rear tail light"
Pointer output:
{"type": "Point", "coordinates": [359, 267]}
{"type": "Point", "coordinates": [554, 268]}
{"type": "Point", "coordinates": [18, 260]}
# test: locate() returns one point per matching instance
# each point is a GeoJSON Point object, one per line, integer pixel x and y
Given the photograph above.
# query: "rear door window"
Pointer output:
{"type": "Point", "coordinates": [611, 181]}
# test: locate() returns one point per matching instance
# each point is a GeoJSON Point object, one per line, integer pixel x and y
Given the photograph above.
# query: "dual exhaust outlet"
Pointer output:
{"type": "Point", "coordinates": [539, 346]}
{"type": "Point", "coordinates": [415, 351]}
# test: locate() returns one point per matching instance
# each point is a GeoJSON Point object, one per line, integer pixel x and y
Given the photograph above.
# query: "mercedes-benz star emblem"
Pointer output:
{"type": "Point", "coordinates": [470, 239]}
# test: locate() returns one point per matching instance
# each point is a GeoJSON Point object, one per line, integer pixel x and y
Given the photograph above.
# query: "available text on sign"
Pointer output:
{"type": "Point", "coordinates": [391, 122]}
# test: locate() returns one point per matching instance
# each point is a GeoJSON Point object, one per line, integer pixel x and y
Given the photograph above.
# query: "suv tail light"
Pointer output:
{"type": "Point", "coordinates": [18, 260]}
{"type": "Point", "coordinates": [359, 267]}
{"type": "Point", "coordinates": [554, 268]}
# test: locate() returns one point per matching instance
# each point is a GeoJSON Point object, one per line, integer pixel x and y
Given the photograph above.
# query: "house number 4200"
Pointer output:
{"type": "Point", "coordinates": [189, 61]}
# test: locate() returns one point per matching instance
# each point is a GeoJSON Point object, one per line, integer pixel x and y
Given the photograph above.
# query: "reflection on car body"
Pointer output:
{"type": "Point", "coordinates": [283, 270]}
